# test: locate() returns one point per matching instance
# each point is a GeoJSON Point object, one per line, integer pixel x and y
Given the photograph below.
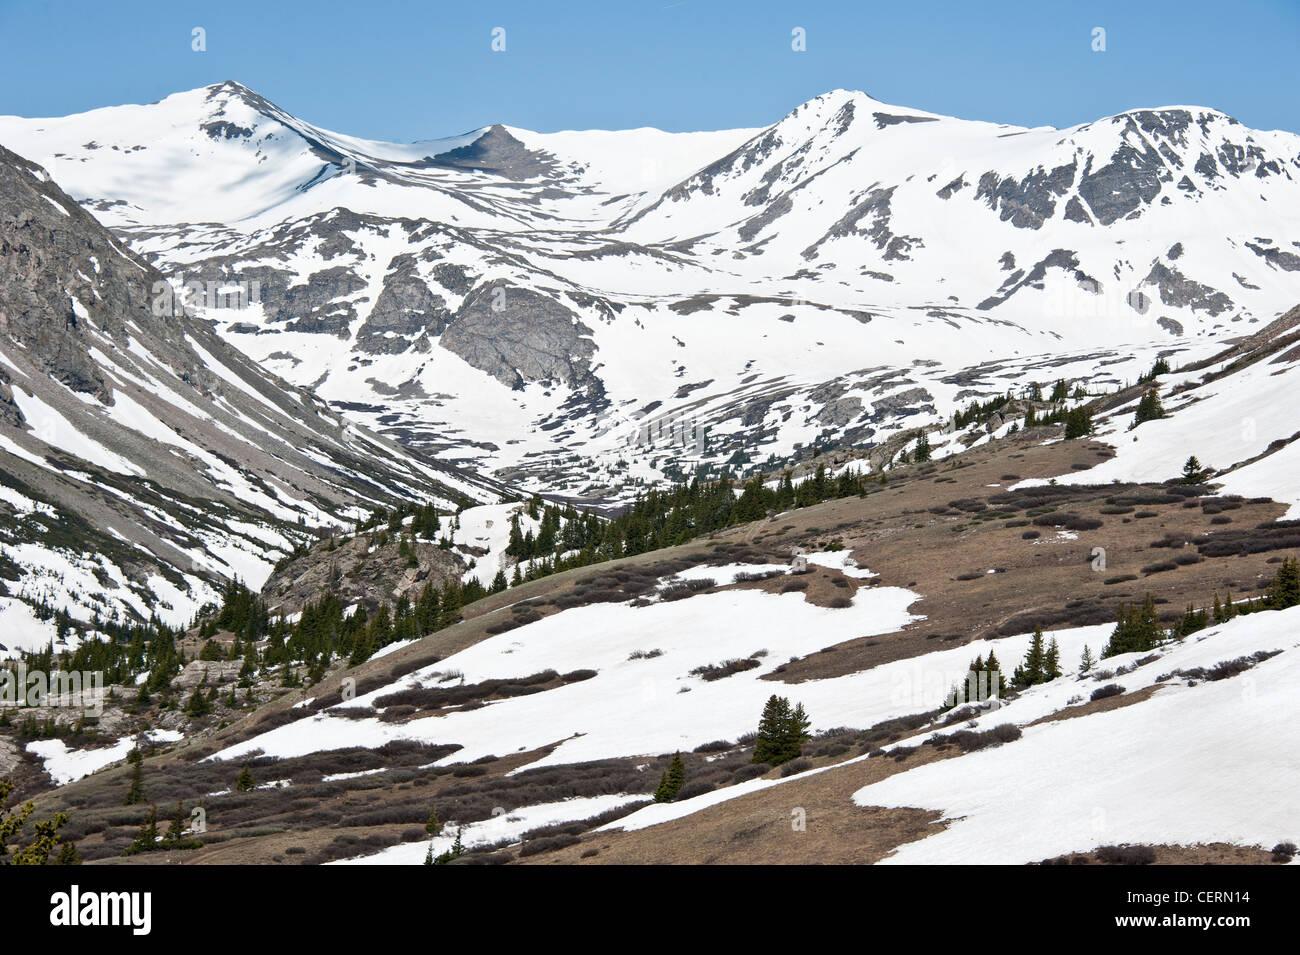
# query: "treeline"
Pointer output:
{"type": "Point", "coordinates": [1139, 628]}
{"type": "Point", "coordinates": [567, 538]}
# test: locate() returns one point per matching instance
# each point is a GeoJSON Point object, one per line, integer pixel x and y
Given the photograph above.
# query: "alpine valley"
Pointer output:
{"type": "Point", "coordinates": [598, 496]}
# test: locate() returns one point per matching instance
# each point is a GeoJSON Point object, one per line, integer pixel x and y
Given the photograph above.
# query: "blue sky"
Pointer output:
{"type": "Point", "coordinates": [421, 69]}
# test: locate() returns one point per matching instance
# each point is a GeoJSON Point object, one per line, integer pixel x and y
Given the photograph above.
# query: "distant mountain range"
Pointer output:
{"type": "Point", "coordinates": [548, 307]}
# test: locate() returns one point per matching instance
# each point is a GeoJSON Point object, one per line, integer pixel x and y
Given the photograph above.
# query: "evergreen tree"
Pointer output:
{"type": "Point", "coordinates": [1138, 629]}
{"type": "Point", "coordinates": [457, 849]}
{"type": "Point", "coordinates": [198, 704]}
{"type": "Point", "coordinates": [670, 783]}
{"type": "Point", "coordinates": [244, 783]}
{"type": "Point", "coordinates": [921, 453]}
{"type": "Point", "coordinates": [771, 726]}
{"type": "Point", "coordinates": [1193, 472]}
{"type": "Point", "coordinates": [797, 731]}
{"type": "Point", "coordinates": [136, 793]}
{"type": "Point", "coordinates": [1078, 423]}
{"type": "Point", "coordinates": [68, 855]}
{"type": "Point", "coordinates": [1086, 662]}
{"type": "Point", "coordinates": [433, 826]}
{"type": "Point", "coordinates": [1285, 590]}
{"type": "Point", "coordinates": [1192, 621]}
{"type": "Point", "coordinates": [782, 731]}
{"type": "Point", "coordinates": [994, 667]}
{"type": "Point", "coordinates": [1033, 670]}
{"type": "Point", "coordinates": [1149, 408]}
{"type": "Point", "coordinates": [147, 838]}
{"type": "Point", "coordinates": [1052, 661]}
{"type": "Point", "coordinates": [45, 833]}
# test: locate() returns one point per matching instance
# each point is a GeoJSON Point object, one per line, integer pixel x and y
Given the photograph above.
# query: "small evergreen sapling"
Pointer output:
{"type": "Point", "coordinates": [433, 826]}
{"type": "Point", "coordinates": [670, 783]}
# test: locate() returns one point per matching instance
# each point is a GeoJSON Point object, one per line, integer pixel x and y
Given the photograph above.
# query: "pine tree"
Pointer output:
{"type": "Point", "coordinates": [1086, 662]}
{"type": "Point", "coordinates": [775, 714]}
{"type": "Point", "coordinates": [457, 849]}
{"type": "Point", "coordinates": [1191, 621]}
{"type": "Point", "coordinates": [1285, 590]}
{"type": "Point", "coordinates": [1149, 408]}
{"type": "Point", "coordinates": [921, 453]}
{"type": "Point", "coordinates": [670, 783]}
{"type": "Point", "coordinates": [198, 705]}
{"type": "Point", "coordinates": [1032, 670]}
{"type": "Point", "coordinates": [1193, 472]}
{"type": "Point", "coordinates": [1078, 423]}
{"type": "Point", "coordinates": [136, 793]}
{"type": "Point", "coordinates": [146, 839]}
{"type": "Point", "coordinates": [244, 783]}
{"type": "Point", "coordinates": [433, 826]}
{"type": "Point", "coordinates": [797, 732]}
{"type": "Point", "coordinates": [68, 855]}
{"type": "Point", "coordinates": [1138, 629]}
{"type": "Point", "coordinates": [1052, 661]}
{"type": "Point", "coordinates": [995, 668]}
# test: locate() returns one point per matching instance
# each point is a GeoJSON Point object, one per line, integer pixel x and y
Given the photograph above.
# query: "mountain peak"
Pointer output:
{"type": "Point", "coordinates": [497, 151]}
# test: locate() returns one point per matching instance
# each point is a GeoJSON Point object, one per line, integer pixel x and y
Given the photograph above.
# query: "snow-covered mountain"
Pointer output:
{"type": "Point", "coordinates": [142, 459]}
{"type": "Point", "coordinates": [581, 310]}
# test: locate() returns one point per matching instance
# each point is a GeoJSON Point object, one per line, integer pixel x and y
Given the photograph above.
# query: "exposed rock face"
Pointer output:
{"type": "Point", "coordinates": [1129, 180]}
{"type": "Point", "coordinates": [874, 208]}
{"type": "Point", "coordinates": [1063, 259]}
{"type": "Point", "coordinates": [208, 673]}
{"type": "Point", "coordinates": [51, 253]}
{"type": "Point", "coordinates": [1029, 202]}
{"type": "Point", "coordinates": [1177, 289]}
{"type": "Point", "coordinates": [406, 309]}
{"type": "Point", "coordinates": [1279, 258]}
{"type": "Point", "coordinates": [359, 574]}
{"type": "Point", "coordinates": [496, 151]}
{"type": "Point", "coordinates": [516, 335]}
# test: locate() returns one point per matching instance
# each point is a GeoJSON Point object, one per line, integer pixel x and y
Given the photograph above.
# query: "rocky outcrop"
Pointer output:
{"type": "Point", "coordinates": [516, 334]}
{"type": "Point", "coordinates": [360, 571]}
{"type": "Point", "coordinates": [405, 310]}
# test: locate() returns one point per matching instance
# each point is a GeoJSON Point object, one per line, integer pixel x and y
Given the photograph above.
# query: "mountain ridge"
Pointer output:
{"type": "Point", "coordinates": [512, 322]}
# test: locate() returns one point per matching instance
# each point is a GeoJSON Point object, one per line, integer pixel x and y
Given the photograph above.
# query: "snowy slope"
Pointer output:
{"type": "Point", "coordinates": [142, 460]}
{"type": "Point", "coordinates": [632, 706]}
{"type": "Point", "coordinates": [533, 303]}
{"type": "Point", "coordinates": [1196, 762]}
{"type": "Point", "coordinates": [1193, 764]}
{"type": "Point", "coordinates": [1233, 411]}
